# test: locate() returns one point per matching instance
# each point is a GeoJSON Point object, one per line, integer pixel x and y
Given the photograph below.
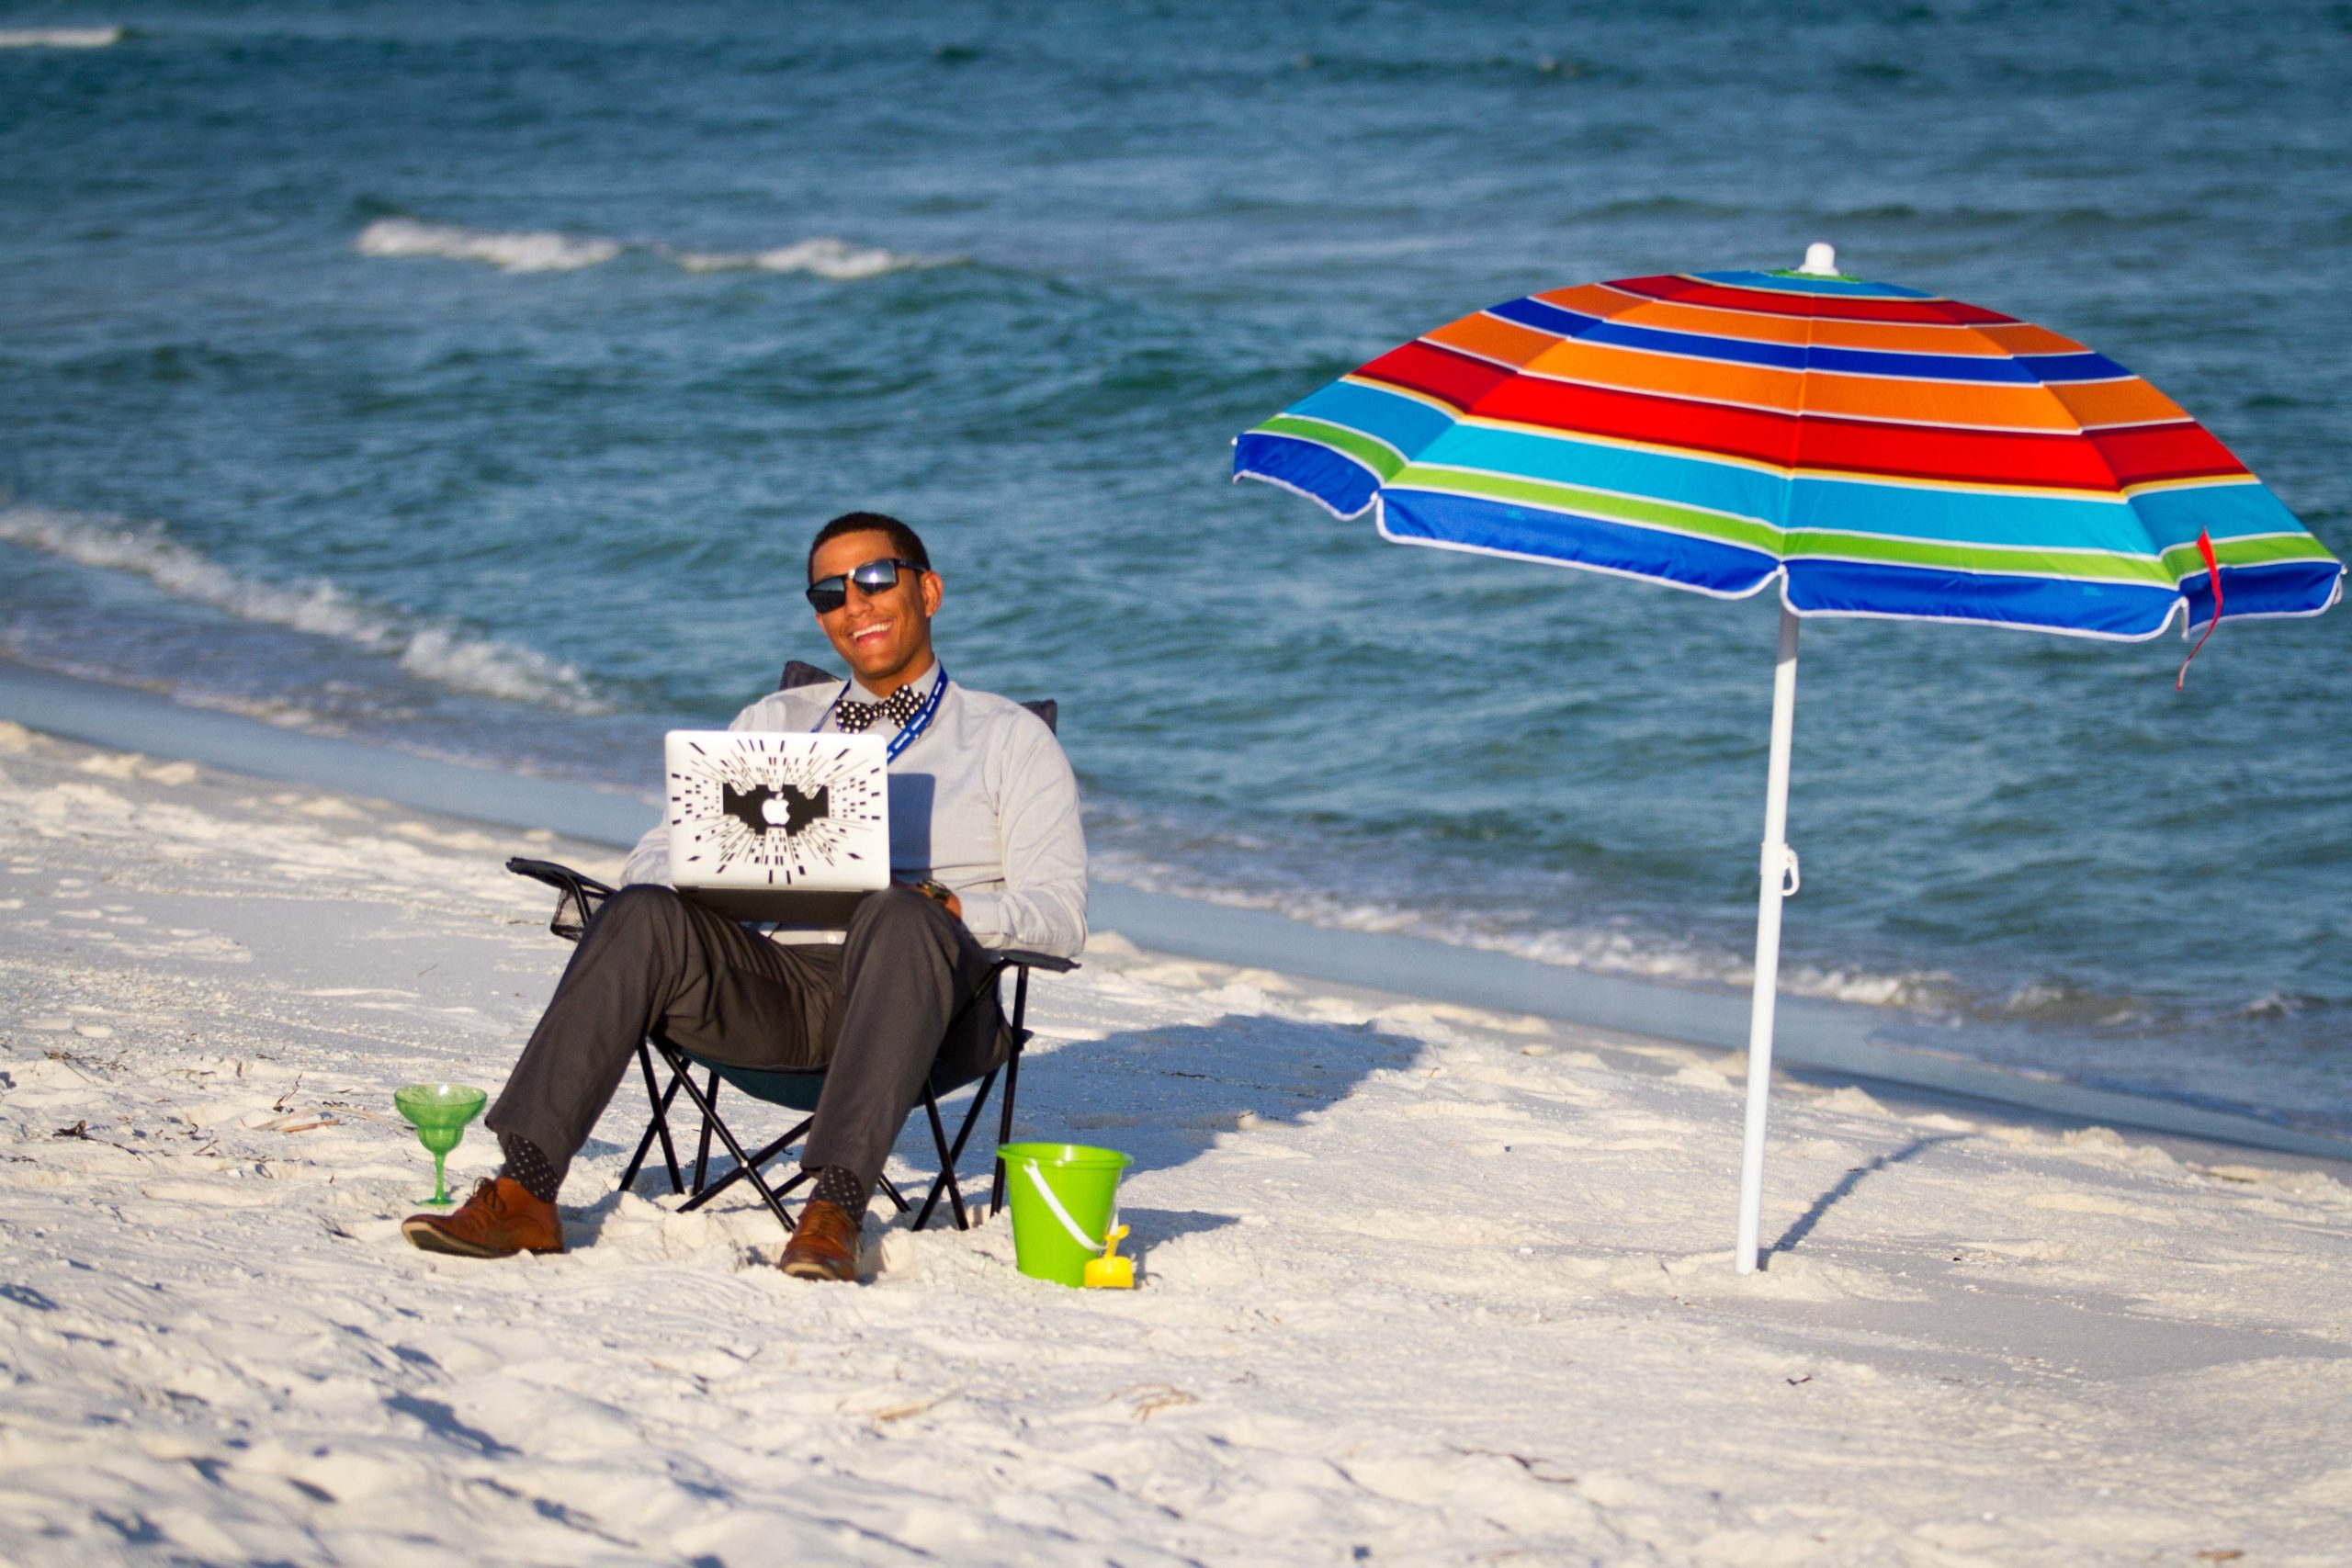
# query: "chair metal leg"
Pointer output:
{"type": "Point", "coordinates": [971, 1118]}
{"type": "Point", "coordinates": [1005, 1118]}
{"type": "Point", "coordinates": [799, 1179]}
{"type": "Point", "coordinates": [952, 1157]}
{"type": "Point", "coordinates": [702, 1150]}
{"type": "Point", "coordinates": [786, 1191]}
{"type": "Point", "coordinates": [1020, 1038]}
{"type": "Point", "coordinates": [710, 1118]}
{"type": "Point", "coordinates": [703, 1195]}
{"type": "Point", "coordinates": [645, 1143]}
{"type": "Point", "coordinates": [769, 1152]}
{"type": "Point", "coordinates": [946, 1177]}
{"type": "Point", "coordinates": [946, 1180]}
{"type": "Point", "coordinates": [661, 1121]}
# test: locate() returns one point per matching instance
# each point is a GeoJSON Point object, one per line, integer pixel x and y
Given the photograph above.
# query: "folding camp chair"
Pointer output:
{"type": "Point", "coordinates": [795, 1089]}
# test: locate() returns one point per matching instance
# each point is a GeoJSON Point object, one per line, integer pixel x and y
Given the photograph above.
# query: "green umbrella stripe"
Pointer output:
{"type": "Point", "coordinates": [2246, 550]}
{"type": "Point", "coordinates": [1607, 506]}
{"type": "Point", "coordinates": [1806, 544]}
{"type": "Point", "coordinates": [1369, 450]}
{"type": "Point", "coordinates": [1668, 517]}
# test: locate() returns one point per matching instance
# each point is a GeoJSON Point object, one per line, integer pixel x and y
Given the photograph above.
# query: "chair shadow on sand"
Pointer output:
{"type": "Point", "coordinates": [1804, 1224]}
{"type": "Point", "coordinates": [1160, 1095]}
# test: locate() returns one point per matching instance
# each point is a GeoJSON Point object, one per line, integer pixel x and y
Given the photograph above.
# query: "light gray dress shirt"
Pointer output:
{"type": "Point", "coordinates": [982, 800]}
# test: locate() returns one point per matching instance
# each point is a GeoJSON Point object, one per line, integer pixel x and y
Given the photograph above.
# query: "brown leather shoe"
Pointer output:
{"type": "Point", "coordinates": [498, 1220]}
{"type": "Point", "coordinates": [825, 1244]}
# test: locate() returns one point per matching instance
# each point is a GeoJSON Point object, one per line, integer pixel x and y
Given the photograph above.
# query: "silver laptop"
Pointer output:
{"type": "Point", "coordinates": [790, 829]}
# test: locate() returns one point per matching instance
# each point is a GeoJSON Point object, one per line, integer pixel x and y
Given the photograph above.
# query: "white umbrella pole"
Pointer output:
{"type": "Point", "coordinates": [1778, 880]}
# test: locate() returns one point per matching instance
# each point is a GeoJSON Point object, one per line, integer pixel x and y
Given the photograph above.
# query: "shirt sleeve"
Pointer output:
{"type": "Point", "coordinates": [649, 862]}
{"type": "Point", "coordinates": [1043, 903]}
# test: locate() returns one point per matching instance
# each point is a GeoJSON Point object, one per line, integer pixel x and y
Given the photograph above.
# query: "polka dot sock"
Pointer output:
{"type": "Point", "coordinates": [527, 1166]}
{"type": "Point", "coordinates": [839, 1185]}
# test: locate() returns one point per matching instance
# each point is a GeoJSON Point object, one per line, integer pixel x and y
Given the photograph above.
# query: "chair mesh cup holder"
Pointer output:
{"type": "Point", "coordinates": [796, 1088]}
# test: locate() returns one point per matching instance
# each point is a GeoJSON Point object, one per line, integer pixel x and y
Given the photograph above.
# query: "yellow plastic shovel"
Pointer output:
{"type": "Point", "coordinates": [1112, 1271]}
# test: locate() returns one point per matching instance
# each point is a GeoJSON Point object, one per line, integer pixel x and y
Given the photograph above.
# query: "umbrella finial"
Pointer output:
{"type": "Point", "coordinates": [1820, 260]}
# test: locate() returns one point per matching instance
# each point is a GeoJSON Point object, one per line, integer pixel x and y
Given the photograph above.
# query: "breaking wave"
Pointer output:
{"type": "Point", "coordinates": [1602, 949]}
{"type": "Point", "coordinates": [60, 38]}
{"type": "Point", "coordinates": [528, 251]}
{"type": "Point", "coordinates": [434, 650]}
{"type": "Point", "coordinates": [823, 257]}
{"type": "Point", "coordinates": [540, 250]}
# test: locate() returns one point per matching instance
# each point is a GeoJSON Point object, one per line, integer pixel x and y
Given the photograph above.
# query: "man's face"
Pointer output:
{"type": "Point", "coordinates": [886, 637]}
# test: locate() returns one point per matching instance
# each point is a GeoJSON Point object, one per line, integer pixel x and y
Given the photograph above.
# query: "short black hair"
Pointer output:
{"type": "Point", "coordinates": [904, 542]}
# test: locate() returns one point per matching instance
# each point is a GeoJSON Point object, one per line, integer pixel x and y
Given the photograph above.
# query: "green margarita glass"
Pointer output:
{"type": "Point", "coordinates": [440, 1113]}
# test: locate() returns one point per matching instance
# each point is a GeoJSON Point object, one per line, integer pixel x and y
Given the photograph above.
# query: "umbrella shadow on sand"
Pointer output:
{"type": "Point", "coordinates": [1844, 1189]}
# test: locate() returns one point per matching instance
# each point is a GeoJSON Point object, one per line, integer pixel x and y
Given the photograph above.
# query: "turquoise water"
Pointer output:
{"type": "Point", "coordinates": [469, 378]}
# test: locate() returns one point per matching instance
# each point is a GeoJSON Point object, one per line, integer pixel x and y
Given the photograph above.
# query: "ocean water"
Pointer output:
{"type": "Point", "coordinates": [468, 379]}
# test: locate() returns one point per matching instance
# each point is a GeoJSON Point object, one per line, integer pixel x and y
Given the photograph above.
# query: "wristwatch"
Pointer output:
{"type": "Point", "coordinates": [938, 890]}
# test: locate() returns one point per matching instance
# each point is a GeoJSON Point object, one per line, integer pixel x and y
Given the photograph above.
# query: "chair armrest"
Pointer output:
{"type": "Point", "coordinates": [1021, 958]}
{"type": "Point", "coordinates": [562, 877]}
{"type": "Point", "coordinates": [576, 891]}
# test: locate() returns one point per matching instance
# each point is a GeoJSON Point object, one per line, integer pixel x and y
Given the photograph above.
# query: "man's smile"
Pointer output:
{"type": "Point", "coordinates": [871, 631]}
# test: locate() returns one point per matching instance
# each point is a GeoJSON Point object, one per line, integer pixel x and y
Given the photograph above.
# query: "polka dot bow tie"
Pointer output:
{"type": "Point", "coordinates": [855, 717]}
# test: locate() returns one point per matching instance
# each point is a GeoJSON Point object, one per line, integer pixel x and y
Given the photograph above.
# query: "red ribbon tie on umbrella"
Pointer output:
{"type": "Point", "coordinates": [2213, 575]}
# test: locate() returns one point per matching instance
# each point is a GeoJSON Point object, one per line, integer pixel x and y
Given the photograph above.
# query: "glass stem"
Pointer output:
{"type": "Point", "coordinates": [440, 1184]}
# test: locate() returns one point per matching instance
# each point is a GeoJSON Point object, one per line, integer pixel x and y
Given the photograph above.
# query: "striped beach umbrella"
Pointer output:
{"type": "Point", "coordinates": [1875, 450]}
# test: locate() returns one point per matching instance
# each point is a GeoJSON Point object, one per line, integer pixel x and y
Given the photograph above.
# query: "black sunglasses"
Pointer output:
{"type": "Point", "coordinates": [829, 594]}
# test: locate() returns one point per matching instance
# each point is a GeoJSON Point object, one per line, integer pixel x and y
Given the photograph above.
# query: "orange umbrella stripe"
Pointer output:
{"type": "Point", "coordinates": [1973, 405]}
{"type": "Point", "coordinates": [1987, 342]}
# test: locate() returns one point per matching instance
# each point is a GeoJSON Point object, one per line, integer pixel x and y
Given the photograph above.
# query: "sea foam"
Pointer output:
{"type": "Point", "coordinates": [824, 256]}
{"type": "Point", "coordinates": [523, 251]}
{"type": "Point", "coordinates": [433, 650]}
{"type": "Point", "coordinates": [1599, 948]}
{"type": "Point", "coordinates": [60, 38]}
{"type": "Point", "coordinates": [540, 250]}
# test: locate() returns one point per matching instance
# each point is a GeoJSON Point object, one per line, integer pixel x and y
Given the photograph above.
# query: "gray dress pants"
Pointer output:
{"type": "Point", "coordinates": [872, 1010]}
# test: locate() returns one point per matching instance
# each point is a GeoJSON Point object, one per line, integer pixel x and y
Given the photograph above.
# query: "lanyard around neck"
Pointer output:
{"type": "Point", "coordinates": [915, 725]}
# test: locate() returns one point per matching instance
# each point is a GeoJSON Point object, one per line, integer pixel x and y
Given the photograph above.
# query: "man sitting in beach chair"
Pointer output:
{"type": "Point", "coordinates": [987, 853]}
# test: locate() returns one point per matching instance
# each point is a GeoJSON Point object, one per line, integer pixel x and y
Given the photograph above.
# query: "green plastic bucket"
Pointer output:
{"type": "Point", "coordinates": [1065, 1200]}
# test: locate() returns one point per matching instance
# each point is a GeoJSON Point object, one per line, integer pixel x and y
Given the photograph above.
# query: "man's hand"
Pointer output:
{"type": "Point", "coordinates": [941, 892]}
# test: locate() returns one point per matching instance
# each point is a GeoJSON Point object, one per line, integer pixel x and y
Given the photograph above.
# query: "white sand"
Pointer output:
{"type": "Point", "coordinates": [1419, 1284]}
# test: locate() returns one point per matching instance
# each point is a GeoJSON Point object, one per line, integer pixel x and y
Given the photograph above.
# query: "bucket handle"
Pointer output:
{"type": "Point", "coordinates": [1046, 1191]}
